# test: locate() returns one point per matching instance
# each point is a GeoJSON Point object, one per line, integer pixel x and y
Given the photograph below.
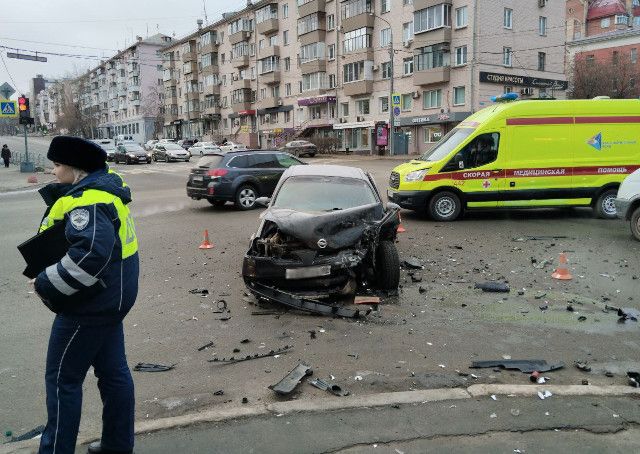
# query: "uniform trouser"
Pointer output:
{"type": "Point", "coordinates": [73, 348]}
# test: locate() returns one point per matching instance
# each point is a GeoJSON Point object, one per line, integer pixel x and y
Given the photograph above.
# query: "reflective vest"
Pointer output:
{"type": "Point", "coordinates": [66, 204]}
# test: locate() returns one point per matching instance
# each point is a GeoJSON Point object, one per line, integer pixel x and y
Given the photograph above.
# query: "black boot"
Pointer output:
{"type": "Point", "coordinates": [96, 448]}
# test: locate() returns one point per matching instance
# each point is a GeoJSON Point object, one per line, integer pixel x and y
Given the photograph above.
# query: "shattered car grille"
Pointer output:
{"type": "Point", "coordinates": [394, 180]}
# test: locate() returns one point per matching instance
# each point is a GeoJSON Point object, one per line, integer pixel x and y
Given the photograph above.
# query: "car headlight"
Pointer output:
{"type": "Point", "coordinates": [416, 175]}
{"type": "Point", "coordinates": [132, 155]}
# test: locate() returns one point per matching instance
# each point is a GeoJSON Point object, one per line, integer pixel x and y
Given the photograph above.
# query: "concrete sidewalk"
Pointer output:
{"type": "Point", "coordinates": [12, 180]}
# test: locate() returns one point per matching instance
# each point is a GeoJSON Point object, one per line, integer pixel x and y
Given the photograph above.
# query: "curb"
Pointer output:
{"type": "Point", "coordinates": [341, 403]}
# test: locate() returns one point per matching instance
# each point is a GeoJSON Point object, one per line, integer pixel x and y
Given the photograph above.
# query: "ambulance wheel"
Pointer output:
{"type": "Point", "coordinates": [635, 223]}
{"type": "Point", "coordinates": [605, 205]}
{"type": "Point", "coordinates": [445, 206]}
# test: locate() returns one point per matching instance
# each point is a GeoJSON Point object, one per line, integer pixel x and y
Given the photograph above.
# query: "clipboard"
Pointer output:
{"type": "Point", "coordinates": [44, 249]}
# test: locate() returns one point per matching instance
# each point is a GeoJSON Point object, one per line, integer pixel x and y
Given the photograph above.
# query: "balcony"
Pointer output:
{"type": "Point", "coordinates": [192, 95]}
{"type": "Point", "coordinates": [432, 76]}
{"type": "Point", "coordinates": [267, 26]}
{"type": "Point", "coordinates": [135, 102]}
{"type": "Point", "coordinates": [313, 66]}
{"type": "Point", "coordinates": [172, 98]}
{"type": "Point", "coordinates": [211, 89]}
{"type": "Point", "coordinates": [210, 69]}
{"type": "Point", "coordinates": [422, 4]}
{"type": "Point", "coordinates": [240, 62]}
{"type": "Point", "coordinates": [240, 106]}
{"type": "Point", "coordinates": [122, 91]}
{"type": "Point", "coordinates": [311, 7]}
{"type": "Point", "coordinates": [435, 36]}
{"type": "Point", "coordinates": [170, 117]}
{"type": "Point", "coordinates": [214, 110]}
{"type": "Point", "coordinates": [269, 51]}
{"type": "Point", "coordinates": [243, 83]}
{"type": "Point", "coordinates": [272, 77]}
{"type": "Point", "coordinates": [192, 68]}
{"type": "Point", "coordinates": [189, 56]}
{"type": "Point", "coordinates": [359, 21]}
{"type": "Point", "coordinates": [360, 87]}
{"type": "Point", "coordinates": [170, 82]}
{"type": "Point", "coordinates": [194, 114]}
{"type": "Point", "coordinates": [269, 103]}
{"type": "Point", "coordinates": [316, 36]}
{"type": "Point", "coordinates": [239, 36]}
{"type": "Point", "coordinates": [132, 88]}
{"type": "Point", "coordinates": [210, 48]}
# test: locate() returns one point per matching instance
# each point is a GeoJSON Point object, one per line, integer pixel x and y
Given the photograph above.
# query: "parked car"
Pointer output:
{"type": "Point", "coordinates": [326, 232]}
{"type": "Point", "coordinates": [167, 141]}
{"type": "Point", "coordinates": [130, 153]}
{"type": "Point", "coordinates": [187, 143]}
{"type": "Point", "coordinates": [200, 148]}
{"type": "Point", "coordinates": [628, 202]}
{"type": "Point", "coordinates": [107, 145]}
{"type": "Point", "coordinates": [238, 176]}
{"type": "Point", "coordinates": [300, 148]}
{"type": "Point", "coordinates": [167, 151]}
{"type": "Point", "coordinates": [232, 146]}
{"type": "Point", "coordinates": [122, 138]}
{"type": "Point", "coordinates": [150, 144]}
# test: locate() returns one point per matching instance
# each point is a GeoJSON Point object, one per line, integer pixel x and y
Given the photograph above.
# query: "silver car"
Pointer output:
{"type": "Point", "coordinates": [170, 152]}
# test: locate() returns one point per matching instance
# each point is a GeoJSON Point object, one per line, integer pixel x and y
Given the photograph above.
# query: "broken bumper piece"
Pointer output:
{"type": "Point", "coordinates": [289, 383]}
{"type": "Point", "coordinates": [304, 304]}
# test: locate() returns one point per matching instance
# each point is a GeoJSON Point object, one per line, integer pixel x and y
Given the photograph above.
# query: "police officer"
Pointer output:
{"type": "Point", "coordinates": [91, 289]}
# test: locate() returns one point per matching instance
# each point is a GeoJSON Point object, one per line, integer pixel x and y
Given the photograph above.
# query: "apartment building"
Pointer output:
{"type": "Point", "coordinates": [49, 102]}
{"type": "Point", "coordinates": [287, 68]}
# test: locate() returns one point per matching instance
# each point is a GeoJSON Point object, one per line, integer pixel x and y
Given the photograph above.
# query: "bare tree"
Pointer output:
{"type": "Point", "coordinates": [152, 107]}
{"type": "Point", "coordinates": [590, 78]}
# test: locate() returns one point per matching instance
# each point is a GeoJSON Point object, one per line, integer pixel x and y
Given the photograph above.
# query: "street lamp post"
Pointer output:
{"type": "Point", "coordinates": [391, 76]}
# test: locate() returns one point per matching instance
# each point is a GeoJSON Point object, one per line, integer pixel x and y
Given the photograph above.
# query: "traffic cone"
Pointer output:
{"type": "Point", "coordinates": [562, 272]}
{"type": "Point", "coordinates": [32, 179]}
{"type": "Point", "coordinates": [205, 243]}
{"type": "Point", "coordinates": [400, 228]}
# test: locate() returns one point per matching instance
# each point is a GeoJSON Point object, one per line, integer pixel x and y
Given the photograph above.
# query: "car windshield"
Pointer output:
{"type": "Point", "coordinates": [133, 147]}
{"type": "Point", "coordinates": [172, 146]}
{"type": "Point", "coordinates": [323, 193]}
{"type": "Point", "coordinates": [454, 138]}
{"type": "Point", "coordinates": [210, 161]}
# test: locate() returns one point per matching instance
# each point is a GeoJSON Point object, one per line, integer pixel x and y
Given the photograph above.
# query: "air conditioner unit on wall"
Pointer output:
{"type": "Point", "coordinates": [343, 120]}
{"type": "Point", "coordinates": [279, 102]}
{"type": "Point", "coordinates": [375, 67]}
{"type": "Point", "coordinates": [407, 43]}
{"type": "Point", "coordinates": [360, 118]}
{"type": "Point", "coordinates": [542, 3]}
{"type": "Point", "coordinates": [415, 94]}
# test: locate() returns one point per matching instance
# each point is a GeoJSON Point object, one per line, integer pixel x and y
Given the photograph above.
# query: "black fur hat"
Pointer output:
{"type": "Point", "coordinates": [76, 152]}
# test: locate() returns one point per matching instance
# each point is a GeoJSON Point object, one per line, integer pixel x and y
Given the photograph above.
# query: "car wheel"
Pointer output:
{"type": "Point", "coordinates": [127, 161]}
{"type": "Point", "coordinates": [312, 155]}
{"type": "Point", "coordinates": [155, 158]}
{"type": "Point", "coordinates": [605, 205]}
{"type": "Point", "coordinates": [246, 197]}
{"type": "Point", "coordinates": [387, 266]}
{"type": "Point", "coordinates": [187, 160]}
{"type": "Point", "coordinates": [635, 223]}
{"type": "Point", "coordinates": [445, 206]}
{"type": "Point", "coordinates": [216, 203]}
{"type": "Point", "coordinates": [166, 158]}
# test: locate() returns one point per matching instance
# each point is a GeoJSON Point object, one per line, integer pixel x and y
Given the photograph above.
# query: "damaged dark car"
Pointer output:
{"type": "Point", "coordinates": [325, 233]}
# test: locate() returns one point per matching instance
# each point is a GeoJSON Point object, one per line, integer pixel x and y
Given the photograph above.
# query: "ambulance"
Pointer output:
{"type": "Point", "coordinates": [526, 154]}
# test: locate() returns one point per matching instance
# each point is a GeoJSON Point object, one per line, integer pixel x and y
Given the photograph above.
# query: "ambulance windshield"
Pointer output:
{"type": "Point", "coordinates": [449, 142]}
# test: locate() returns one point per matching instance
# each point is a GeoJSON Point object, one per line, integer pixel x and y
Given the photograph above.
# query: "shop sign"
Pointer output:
{"type": "Point", "coordinates": [524, 81]}
{"type": "Point", "coordinates": [359, 124]}
{"type": "Point", "coordinates": [316, 100]}
{"type": "Point", "coordinates": [382, 135]}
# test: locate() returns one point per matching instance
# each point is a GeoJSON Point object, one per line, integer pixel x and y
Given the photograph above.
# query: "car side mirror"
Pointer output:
{"type": "Point", "coordinates": [263, 201]}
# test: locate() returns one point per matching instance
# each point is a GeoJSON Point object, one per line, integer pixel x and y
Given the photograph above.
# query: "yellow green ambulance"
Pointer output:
{"type": "Point", "coordinates": [526, 154]}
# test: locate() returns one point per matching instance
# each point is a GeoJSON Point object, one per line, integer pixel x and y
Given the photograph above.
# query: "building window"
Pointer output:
{"type": "Point", "coordinates": [331, 54]}
{"type": "Point", "coordinates": [353, 8]}
{"type": "Point", "coordinates": [407, 2]}
{"type": "Point", "coordinates": [432, 17]}
{"type": "Point", "coordinates": [461, 17]}
{"type": "Point", "coordinates": [406, 101]}
{"type": "Point", "coordinates": [432, 134]}
{"type": "Point", "coordinates": [614, 57]}
{"type": "Point", "coordinates": [508, 89]}
{"type": "Point", "coordinates": [506, 56]}
{"type": "Point", "coordinates": [287, 117]}
{"type": "Point", "coordinates": [636, 21]}
{"type": "Point", "coordinates": [384, 104]}
{"type": "Point", "coordinates": [461, 55]}
{"type": "Point", "coordinates": [634, 55]}
{"type": "Point", "coordinates": [385, 6]}
{"type": "Point", "coordinates": [385, 37]}
{"type": "Point", "coordinates": [542, 60]}
{"type": "Point", "coordinates": [542, 26]}
{"type": "Point", "coordinates": [314, 81]}
{"type": "Point", "coordinates": [431, 57]}
{"type": "Point", "coordinates": [344, 108]}
{"type": "Point", "coordinates": [507, 20]}
{"type": "Point", "coordinates": [269, 64]}
{"type": "Point", "coordinates": [332, 81]}
{"type": "Point", "coordinates": [604, 23]}
{"type": "Point", "coordinates": [458, 96]}
{"type": "Point", "coordinates": [431, 99]}
{"type": "Point", "coordinates": [266, 13]}
{"type": "Point", "coordinates": [263, 93]}
{"type": "Point", "coordinates": [386, 70]}
{"type": "Point", "coordinates": [407, 31]}
{"type": "Point", "coordinates": [353, 71]}
{"type": "Point", "coordinates": [331, 21]}
{"type": "Point", "coordinates": [287, 63]}
{"type": "Point", "coordinates": [407, 65]}
{"type": "Point", "coordinates": [285, 37]}
{"type": "Point", "coordinates": [356, 40]}
{"type": "Point", "coordinates": [285, 10]}
{"type": "Point", "coordinates": [287, 89]}
{"type": "Point", "coordinates": [622, 19]}
{"type": "Point", "coordinates": [362, 105]}
{"type": "Point", "coordinates": [311, 52]}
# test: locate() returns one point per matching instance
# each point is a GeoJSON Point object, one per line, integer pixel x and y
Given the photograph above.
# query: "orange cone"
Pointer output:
{"type": "Point", "coordinates": [562, 272]}
{"type": "Point", "coordinates": [205, 243]}
{"type": "Point", "coordinates": [400, 228]}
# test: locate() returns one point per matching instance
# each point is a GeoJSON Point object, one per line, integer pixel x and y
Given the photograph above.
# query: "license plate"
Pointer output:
{"type": "Point", "coordinates": [304, 273]}
{"type": "Point", "coordinates": [142, 159]}
{"type": "Point", "coordinates": [197, 179]}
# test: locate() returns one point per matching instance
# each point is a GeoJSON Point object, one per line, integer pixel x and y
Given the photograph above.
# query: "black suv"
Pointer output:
{"type": "Point", "coordinates": [238, 176]}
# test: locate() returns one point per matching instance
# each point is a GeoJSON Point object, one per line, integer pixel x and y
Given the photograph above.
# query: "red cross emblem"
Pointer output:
{"type": "Point", "coordinates": [486, 184]}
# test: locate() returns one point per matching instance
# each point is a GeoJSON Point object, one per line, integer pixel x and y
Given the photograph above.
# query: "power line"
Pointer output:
{"type": "Point", "coordinates": [93, 21]}
{"type": "Point", "coordinates": [58, 44]}
{"type": "Point", "coordinates": [9, 73]}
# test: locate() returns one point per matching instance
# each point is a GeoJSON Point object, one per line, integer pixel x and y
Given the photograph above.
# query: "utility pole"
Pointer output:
{"type": "Point", "coordinates": [392, 75]}
{"type": "Point", "coordinates": [474, 61]}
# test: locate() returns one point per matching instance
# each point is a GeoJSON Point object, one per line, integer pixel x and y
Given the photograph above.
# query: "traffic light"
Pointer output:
{"type": "Point", "coordinates": [23, 108]}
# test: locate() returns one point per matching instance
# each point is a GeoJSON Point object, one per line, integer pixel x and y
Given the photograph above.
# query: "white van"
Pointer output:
{"type": "Point", "coordinates": [628, 202]}
{"type": "Point", "coordinates": [122, 138]}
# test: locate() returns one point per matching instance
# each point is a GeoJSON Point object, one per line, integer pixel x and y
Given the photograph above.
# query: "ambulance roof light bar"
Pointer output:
{"type": "Point", "coordinates": [505, 97]}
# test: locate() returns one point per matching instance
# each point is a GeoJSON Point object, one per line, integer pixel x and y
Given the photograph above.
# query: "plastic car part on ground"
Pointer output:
{"type": "Point", "coordinates": [524, 365]}
{"type": "Point", "coordinates": [233, 359]}
{"type": "Point", "coordinates": [329, 387]}
{"type": "Point", "coordinates": [291, 380]}
{"type": "Point", "coordinates": [148, 367]}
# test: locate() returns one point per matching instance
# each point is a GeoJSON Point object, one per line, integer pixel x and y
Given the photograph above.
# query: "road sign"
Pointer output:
{"type": "Point", "coordinates": [6, 90]}
{"type": "Point", "coordinates": [396, 122]}
{"type": "Point", "coordinates": [396, 111]}
{"type": "Point", "coordinates": [26, 57]}
{"type": "Point", "coordinates": [395, 100]}
{"type": "Point", "coordinates": [8, 109]}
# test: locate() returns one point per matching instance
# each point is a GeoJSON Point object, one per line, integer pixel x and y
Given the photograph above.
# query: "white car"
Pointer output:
{"type": "Point", "coordinates": [149, 145]}
{"type": "Point", "coordinates": [628, 202]}
{"type": "Point", "coordinates": [232, 146]}
{"type": "Point", "coordinates": [203, 148]}
{"type": "Point", "coordinates": [108, 145]}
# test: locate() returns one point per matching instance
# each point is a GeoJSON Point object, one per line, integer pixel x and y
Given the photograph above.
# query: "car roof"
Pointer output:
{"type": "Point", "coordinates": [326, 170]}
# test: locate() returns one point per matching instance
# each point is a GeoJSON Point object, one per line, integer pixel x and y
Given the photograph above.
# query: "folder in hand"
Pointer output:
{"type": "Point", "coordinates": [44, 249]}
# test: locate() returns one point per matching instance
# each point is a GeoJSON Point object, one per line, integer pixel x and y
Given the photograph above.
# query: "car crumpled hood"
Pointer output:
{"type": "Point", "coordinates": [340, 229]}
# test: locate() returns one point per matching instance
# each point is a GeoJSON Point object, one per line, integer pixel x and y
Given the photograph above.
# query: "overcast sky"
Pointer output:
{"type": "Point", "coordinates": [102, 27]}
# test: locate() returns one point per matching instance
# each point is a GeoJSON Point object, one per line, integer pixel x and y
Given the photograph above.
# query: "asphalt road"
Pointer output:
{"type": "Point", "coordinates": [417, 340]}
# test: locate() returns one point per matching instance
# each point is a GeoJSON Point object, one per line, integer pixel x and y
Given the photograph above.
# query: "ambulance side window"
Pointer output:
{"type": "Point", "coordinates": [481, 151]}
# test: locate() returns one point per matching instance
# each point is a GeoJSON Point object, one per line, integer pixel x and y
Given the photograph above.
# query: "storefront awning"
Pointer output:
{"type": "Point", "coordinates": [316, 100]}
{"type": "Point", "coordinates": [275, 109]}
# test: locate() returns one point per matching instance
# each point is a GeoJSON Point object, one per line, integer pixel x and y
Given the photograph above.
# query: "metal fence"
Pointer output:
{"type": "Point", "coordinates": [37, 159]}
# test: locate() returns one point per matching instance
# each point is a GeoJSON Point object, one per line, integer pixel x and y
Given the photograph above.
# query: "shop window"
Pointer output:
{"type": "Point", "coordinates": [432, 134]}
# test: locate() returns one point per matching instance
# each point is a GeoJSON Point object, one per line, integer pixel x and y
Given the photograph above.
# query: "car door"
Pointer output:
{"type": "Point", "coordinates": [266, 169]}
{"type": "Point", "coordinates": [160, 152]}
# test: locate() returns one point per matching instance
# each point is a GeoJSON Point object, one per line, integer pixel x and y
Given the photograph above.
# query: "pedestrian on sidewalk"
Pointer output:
{"type": "Point", "coordinates": [91, 289]}
{"type": "Point", "coordinates": [6, 155]}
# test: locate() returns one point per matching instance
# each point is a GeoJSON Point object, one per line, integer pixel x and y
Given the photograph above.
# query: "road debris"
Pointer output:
{"type": "Point", "coordinates": [524, 365]}
{"type": "Point", "coordinates": [219, 393]}
{"type": "Point", "coordinates": [232, 359]}
{"type": "Point", "coordinates": [627, 313]}
{"type": "Point", "coordinates": [329, 387]}
{"type": "Point", "coordinates": [413, 263]}
{"type": "Point", "coordinates": [198, 291]}
{"type": "Point", "coordinates": [205, 346]}
{"type": "Point", "coordinates": [148, 367]}
{"type": "Point", "coordinates": [634, 379]}
{"type": "Point", "coordinates": [366, 300]}
{"type": "Point", "coordinates": [544, 394]}
{"type": "Point", "coordinates": [515, 412]}
{"type": "Point", "coordinates": [33, 433]}
{"type": "Point", "coordinates": [497, 287]}
{"type": "Point", "coordinates": [540, 238]}
{"type": "Point", "coordinates": [291, 380]}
